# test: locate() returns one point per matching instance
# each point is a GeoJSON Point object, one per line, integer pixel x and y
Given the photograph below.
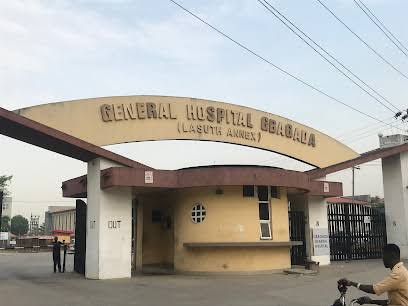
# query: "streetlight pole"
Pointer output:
{"type": "Point", "coordinates": [1, 209]}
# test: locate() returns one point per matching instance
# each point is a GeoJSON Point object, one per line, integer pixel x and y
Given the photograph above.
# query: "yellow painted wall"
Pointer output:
{"type": "Point", "coordinates": [233, 260]}
{"type": "Point", "coordinates": [230, 218]}
{"type": "Point", "coordinates": [157, 240]}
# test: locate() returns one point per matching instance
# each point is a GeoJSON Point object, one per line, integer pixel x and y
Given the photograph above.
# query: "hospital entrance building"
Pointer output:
{"type": "Point", "coordinates": [207, 219]}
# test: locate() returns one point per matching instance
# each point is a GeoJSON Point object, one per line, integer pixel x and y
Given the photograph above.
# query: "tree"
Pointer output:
{"type": "Point", "coordinates": [41, 229]}
{"type": "Point", "coordinates": [4, 181]}
{"type": "Point", "coordinates": [19, 225]}
{"type": "Point", "coordinates": [5, 224]}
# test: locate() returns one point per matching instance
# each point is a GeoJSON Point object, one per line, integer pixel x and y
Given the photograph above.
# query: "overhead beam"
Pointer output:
{"type": "Point", "coordinates": [363, 158]}
{"type": "Point", "coordinates": [37, 134]}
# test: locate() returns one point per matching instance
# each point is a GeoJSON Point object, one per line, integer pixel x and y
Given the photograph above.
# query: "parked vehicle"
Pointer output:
{"type": "Point", "coordinates": [71, 247]}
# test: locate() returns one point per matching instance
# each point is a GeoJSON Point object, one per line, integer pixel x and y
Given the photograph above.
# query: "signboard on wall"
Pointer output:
{"type": "Point", "coordinates": [148, 177]}
{"type": "Point", "coordinates": [367, 219]}
{"type": "Point", "coordinates": [321, 245]}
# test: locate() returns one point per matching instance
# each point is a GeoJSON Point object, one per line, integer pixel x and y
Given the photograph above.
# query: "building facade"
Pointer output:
{"type": "Point", "coordinates": [218, 219]}
{"type": "Point", "coordinates": [60, 219]}
{"type": "Point", "coordinates": [226, 219]}
{"type": "Point", "coordinates": [64, 220]}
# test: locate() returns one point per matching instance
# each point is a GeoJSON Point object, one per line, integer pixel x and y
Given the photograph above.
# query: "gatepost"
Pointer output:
{"type": "Point", "coordinates": [109, 226]}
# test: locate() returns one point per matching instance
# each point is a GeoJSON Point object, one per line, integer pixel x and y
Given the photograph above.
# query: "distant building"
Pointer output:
{"type": "Point", "coordinates": [7, 206]}
{"type": "Point", "coordinates": [48, 223]}
{"type": "Point", "coordinates": [60, 218]}
{"type": "Point", "coordinates": [392, 140]}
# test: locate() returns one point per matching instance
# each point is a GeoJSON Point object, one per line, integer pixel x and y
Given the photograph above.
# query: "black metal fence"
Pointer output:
{"type": "Point", "coordinates": [297, 233]}
{"type": "Point", "coordinates": [356, 231]}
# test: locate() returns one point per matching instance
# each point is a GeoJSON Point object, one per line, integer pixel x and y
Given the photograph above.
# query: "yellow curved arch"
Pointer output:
{"type": "Point", "coordinates": [113, 120]}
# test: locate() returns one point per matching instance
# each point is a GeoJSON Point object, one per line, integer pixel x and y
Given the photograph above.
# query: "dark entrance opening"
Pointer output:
{"type": "Point", "coordinates": [134, 234]}
{"type": "Point", "coordinates": [80, 237]}
{"type": "Point", "coordinates": [297, 233]}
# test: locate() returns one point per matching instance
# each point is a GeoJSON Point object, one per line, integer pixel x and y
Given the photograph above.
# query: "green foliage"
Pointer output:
{"type": "Point", "coordinates": [5, 224]}
{"type": "Point", "coordinates": [41, 229]}
{"type": "Point", "coordinates": [4, 181]}
{"type": "Point", "coordinates": [19, 225]}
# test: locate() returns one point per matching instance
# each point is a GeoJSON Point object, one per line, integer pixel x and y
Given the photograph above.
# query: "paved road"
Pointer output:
{"type": "Point", "coordinates": [27, 279]}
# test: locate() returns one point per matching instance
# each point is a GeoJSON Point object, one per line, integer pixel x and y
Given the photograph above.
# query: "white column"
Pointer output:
{"type": "Point", "coordinates": [318, 224]}
{"type": "Point", "coordinates": [395, 180]}
{"type": "Point", "coordinates": [109, 227]}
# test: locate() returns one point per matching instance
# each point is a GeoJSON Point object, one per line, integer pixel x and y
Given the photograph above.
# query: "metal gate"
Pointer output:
{"type": "Point", "coordinates": [80, 237]}
{"type": "Point", "coordinates": [297, 233]}
{"type": "Point", "coordinates": [356, 231]}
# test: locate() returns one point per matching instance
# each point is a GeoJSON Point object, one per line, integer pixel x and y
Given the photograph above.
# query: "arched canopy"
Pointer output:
{"type": "Point", "coordinates": [113, 120]}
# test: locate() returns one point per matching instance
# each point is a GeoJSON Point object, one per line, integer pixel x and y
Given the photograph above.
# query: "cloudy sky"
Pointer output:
{"type": "Point", "coordinates": [61, 50]}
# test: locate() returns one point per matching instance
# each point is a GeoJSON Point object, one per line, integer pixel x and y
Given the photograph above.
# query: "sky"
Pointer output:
{"type": "Point", "coordinates": [62, 50]}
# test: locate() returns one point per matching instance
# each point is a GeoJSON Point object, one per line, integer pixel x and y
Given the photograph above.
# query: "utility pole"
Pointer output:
{"type": "Point", "coordinates": [1, 209]}
{"type": "Point", "coordinates": [352, 184]}
{"type": "Point", "coordinates": [352, 188]}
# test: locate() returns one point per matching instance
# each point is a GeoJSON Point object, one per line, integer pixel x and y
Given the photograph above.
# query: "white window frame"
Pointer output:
{"type": "Point", "coordinates": [270, 213]}
{"type": "Point", "coordinates": [201, 210]}
{"type": "Point", "coordinates": [268, 222]}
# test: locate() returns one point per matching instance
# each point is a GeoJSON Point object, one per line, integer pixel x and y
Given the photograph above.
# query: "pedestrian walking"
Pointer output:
{"type": "Point", "coordinates": [56, 254]}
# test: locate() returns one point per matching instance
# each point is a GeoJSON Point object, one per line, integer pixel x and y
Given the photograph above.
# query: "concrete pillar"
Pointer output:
{"type": "Point", "coordinates": [318, 224]}
{"type": "Point", "coordinates": [109, 227]}
{"type": "Point", "coordinates": [395, 180]}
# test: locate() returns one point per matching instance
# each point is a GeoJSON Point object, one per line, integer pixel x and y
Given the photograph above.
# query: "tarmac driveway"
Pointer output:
{"type": "Point", "coordinates": [27, 279]}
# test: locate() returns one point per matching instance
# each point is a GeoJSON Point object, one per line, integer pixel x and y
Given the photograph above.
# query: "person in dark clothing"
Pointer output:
{"type": "Point", "coordinates": [56, 254]}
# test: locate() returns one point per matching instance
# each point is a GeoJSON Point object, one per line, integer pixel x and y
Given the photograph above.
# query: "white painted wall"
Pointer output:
{"type": "Point", "coordinates": [395, 180]}
{"type": "Point", "coordinates": [108, 253]}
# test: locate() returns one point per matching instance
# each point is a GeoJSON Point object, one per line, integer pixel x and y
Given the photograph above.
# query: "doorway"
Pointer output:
{"type": "Point", "coordinates": [80, 237]}
{"type": "Point", "coordinates": [152, 234]}
{"type": "Point", "coordinates": [297, 233]}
